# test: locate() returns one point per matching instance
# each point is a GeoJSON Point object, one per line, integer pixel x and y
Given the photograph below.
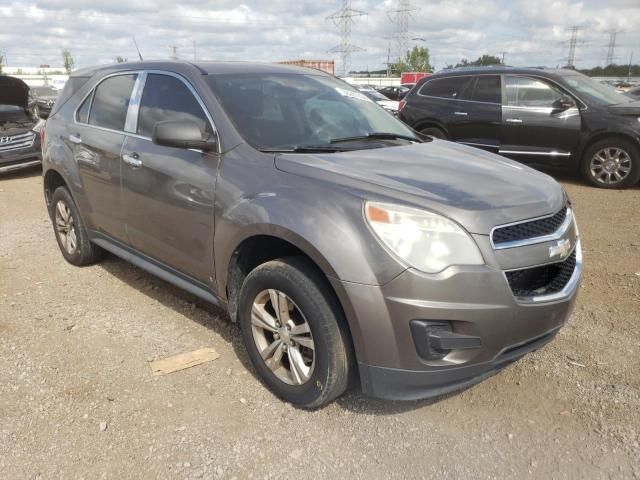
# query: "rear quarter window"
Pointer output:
{"type": "Point", "coordinates": [70, 88]}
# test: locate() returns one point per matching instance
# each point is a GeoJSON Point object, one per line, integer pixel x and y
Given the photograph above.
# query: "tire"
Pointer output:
{"type": "Point", "coordinates": [309, 300]}
{"type": "Point", "coordinates": [595, 162]}
{"type": "Point", "coordinates": [433, 132]}
{"type": "Point", "coordinates": [70, 231]}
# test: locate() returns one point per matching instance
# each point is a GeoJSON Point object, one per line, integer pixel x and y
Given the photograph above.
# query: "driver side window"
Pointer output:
{"type": "Point", "coordinates": [530, 92]}
{"type": "Point", "coordinates": [167, 98]}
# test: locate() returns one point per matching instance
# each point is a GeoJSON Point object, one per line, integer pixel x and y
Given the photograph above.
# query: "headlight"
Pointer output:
{"type": "Point", "coordinates": [424, 240]}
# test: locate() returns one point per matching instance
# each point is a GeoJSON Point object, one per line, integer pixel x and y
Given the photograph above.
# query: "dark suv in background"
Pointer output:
{"type": "Point", "coordinates": [547, 118]}
{"type": "Point", "coordinates": [342, 243]}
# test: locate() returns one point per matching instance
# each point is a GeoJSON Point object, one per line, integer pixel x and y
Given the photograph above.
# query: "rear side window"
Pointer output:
{"type": "Point", "coordinates": [111, 102]}
{"type": "Point", "coordinates": [530, 92]}
{"type": "Point", "coordinates": [449, 87]}
{"type": "Point", "coordinates": [167, 98]}
{"type": "Point", "coordinates": [487, 89]}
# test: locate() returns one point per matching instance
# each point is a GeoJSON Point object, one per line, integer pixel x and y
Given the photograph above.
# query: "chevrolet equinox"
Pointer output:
{"type": "Point", "coordinates": [346, 247]}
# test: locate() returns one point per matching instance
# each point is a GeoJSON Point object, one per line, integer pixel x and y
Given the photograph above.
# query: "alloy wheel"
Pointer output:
{"type": "Point", "coordinates": [65, 227]}
{"type": "Point", "coordinates": [610, 165]}
{"type": "Point", "coordinates": [283, 337]}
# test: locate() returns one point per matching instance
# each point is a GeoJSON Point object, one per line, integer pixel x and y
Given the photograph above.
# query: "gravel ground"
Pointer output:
{"type": "Point", "coordinates": [77, 398]}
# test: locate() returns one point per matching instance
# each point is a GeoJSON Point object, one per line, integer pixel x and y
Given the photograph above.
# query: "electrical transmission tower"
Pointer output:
{"type": "Point", "coordinates": [572, 45]}
{"type": "Point", "coordinates": [343, 19]}
{"type": "Point", "coordinates": [611, 48]}
{"type": "Point", "coordinates": [400, 17]}
{"type": "Point", "coordinates": [174, 49]}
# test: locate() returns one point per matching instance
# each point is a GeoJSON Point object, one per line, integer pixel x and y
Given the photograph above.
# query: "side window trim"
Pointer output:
{"type": "Point", "coordinates": [193, 92]}
{"type": "Point", "coordinates": [131, 122]}
{"type": "Point", "coordinates": [92, 91]}
{"type": "Point", "coordinates": [473, 81]}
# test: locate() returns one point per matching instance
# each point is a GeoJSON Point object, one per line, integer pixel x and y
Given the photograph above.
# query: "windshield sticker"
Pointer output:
{"type": "Point", "coordinates": [350, 94]}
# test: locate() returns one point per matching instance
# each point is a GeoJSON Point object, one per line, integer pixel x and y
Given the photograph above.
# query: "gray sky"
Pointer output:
{"type": "Point", "coordinates": [532, 32]}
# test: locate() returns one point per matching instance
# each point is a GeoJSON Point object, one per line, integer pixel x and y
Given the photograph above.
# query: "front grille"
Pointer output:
{"type": "Point", "coordinates": [527, 230]}
{"type": "Point", "coordinates": [16, 142]}
{"type": "Point", "coordinates": [543, 280]}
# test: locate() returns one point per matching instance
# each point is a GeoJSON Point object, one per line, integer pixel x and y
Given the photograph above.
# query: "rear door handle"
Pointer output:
{"type": "Point", "coordinates": [462, 114]}
{"type": "Point", "coordinates": [513, 120]}
{"type": "Point", "coordinates": [75, 139]}
{"type": "Point", "coordinates": [132, 159]}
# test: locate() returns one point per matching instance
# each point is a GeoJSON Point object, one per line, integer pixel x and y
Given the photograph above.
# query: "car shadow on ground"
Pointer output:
{"type": "Point", "coordinates": [217, 319]}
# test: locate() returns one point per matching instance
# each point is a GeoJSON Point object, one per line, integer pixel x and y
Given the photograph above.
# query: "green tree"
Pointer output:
{"type": "Point", "coordinates": [67, 61]}
{"type": "Point", "coordinates": [120, 60]}
{"type": "Point", "coordinates": [416, 60]}
{"type": "Point", "coordinates": [1, 60]}
{"type": "Point", "coordinates": [483, 61]}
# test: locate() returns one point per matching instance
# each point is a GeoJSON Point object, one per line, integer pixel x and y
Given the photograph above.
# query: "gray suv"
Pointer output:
{"type": "Point", "coordinates": [347, 248]}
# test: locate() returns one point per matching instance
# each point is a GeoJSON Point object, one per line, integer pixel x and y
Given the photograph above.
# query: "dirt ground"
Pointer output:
{"type": "Point", "coordinates": [78, 400]}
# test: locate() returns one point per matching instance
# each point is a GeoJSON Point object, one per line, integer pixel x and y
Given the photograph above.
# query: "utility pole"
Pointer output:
{"type": "Point", "coordinates": [174, 48]}
{"type": "Point", "coordinates": [400, 17]}
{"type": "Point", "coordinates": [389, 57]}
{"type": "Point", "coordinates": [572, 45]}
{"type": "Point", "coordinates": [503, 56]}
{"type": "Point", "coordinates": [194, 51]}
{"type": "Point", "coordinates": [343, 19]}
{"type": "Point", "coordinates": [611, 48]}
{"type": "Point", "coordinates": [630, 63]}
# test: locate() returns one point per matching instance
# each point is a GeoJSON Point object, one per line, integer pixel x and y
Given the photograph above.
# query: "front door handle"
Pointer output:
{"type": "Point", "coordinates": [132, 159]}
{"type": "Point", "coordinates": [513, 120]}
{"type": "Point", "coordinates": [462, 114]}
{"type": "Point", "coordinates": [75, 138]}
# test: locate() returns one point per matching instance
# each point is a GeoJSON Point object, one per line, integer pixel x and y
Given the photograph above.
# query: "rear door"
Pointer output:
{"type": "Point", "coordinates": [482, 111]}
{"type": "Point", "coordinates": [533, 130]}
{"type": "Point", "coordinates": [96, 138]}
{"type": "Point", "coordinates": [442, 100]}
{"type": "Point", "coordinates": [168, 193]}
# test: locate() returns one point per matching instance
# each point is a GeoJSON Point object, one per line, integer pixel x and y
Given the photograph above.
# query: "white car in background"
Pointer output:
{"type": "Point", "coordinates": [390, 106]}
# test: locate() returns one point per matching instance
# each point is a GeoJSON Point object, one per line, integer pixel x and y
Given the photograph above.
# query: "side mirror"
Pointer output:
{"type": "Point", "coordinates": [562, 104]}
{"type": "Point", "coordinates": [182, 134]}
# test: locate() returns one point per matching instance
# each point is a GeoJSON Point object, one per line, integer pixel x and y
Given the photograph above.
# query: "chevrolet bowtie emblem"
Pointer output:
{"type": "Point", "coordinates": [560, 249]}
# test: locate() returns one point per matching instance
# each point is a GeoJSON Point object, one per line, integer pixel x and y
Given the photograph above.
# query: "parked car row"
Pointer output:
{"type": "Point", "coordinates": [556, 119]}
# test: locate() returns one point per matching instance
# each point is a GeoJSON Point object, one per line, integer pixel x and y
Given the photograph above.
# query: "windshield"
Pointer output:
{"type": "Point", "coordinates": [595, 91]}
{"type": "Point", "coordinates": [289, 111]}
{"type": "Point", "coordinates": [374, 95]}
{"type": "Point", "coordinates": [45, 91]}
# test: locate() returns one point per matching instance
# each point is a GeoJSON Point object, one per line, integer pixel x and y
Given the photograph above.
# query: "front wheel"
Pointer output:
{"type": "Point", "coordinates": [294, 333]}
{"type": "Point", "coordinates": [612, 163]}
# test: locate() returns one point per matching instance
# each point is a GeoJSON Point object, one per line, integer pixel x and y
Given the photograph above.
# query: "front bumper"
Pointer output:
{"type": "Point", "coordinates": [19, 158]}
{"type": "Point", "coordinates": [475, 302]}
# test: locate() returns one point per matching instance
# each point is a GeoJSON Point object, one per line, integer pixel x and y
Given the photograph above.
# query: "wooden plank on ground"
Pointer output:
{"type": "Point", "coordinates": [182, 361]}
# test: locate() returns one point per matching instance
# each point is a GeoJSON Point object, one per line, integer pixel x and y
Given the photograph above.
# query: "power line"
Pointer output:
{"type": "Point", "coordinates": [343, 19]}
{"type": "Point", "coordinates": [400, 17]}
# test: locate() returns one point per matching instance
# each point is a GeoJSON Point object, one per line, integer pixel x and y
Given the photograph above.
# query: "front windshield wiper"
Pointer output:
{"type": "Point", "coordinates": [377, 136]}
{"type": "Point", "coordinates": [305, 149]}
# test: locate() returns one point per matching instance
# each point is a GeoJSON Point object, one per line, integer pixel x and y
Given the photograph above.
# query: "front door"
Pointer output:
{"type": "Point", "coordinates": [168, 193]}
{"type": "Point", "coordinates": [96, 141]}
{"type": "Point", "coordinates": [482, 113]}
{"type": "Point", "coordinates": [535, 128]}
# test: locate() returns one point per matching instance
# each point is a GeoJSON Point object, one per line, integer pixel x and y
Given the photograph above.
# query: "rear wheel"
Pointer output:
{"type": "Point", "coordinates": [70, 231]}
{"type": "Point", "coordinates": [434, 132]}
{"type": "Point", "coordinates": [612, 163]}
{"type": "Point", "coordinates": [294, 332]}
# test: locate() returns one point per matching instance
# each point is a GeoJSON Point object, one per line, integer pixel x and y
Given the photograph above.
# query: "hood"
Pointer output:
{"type": "Point", "coordinates": [13, 91]}
{"type": "Point", "coordinates": [477, 189]}
{"type": "Point", "coordinates": [631, 108]}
